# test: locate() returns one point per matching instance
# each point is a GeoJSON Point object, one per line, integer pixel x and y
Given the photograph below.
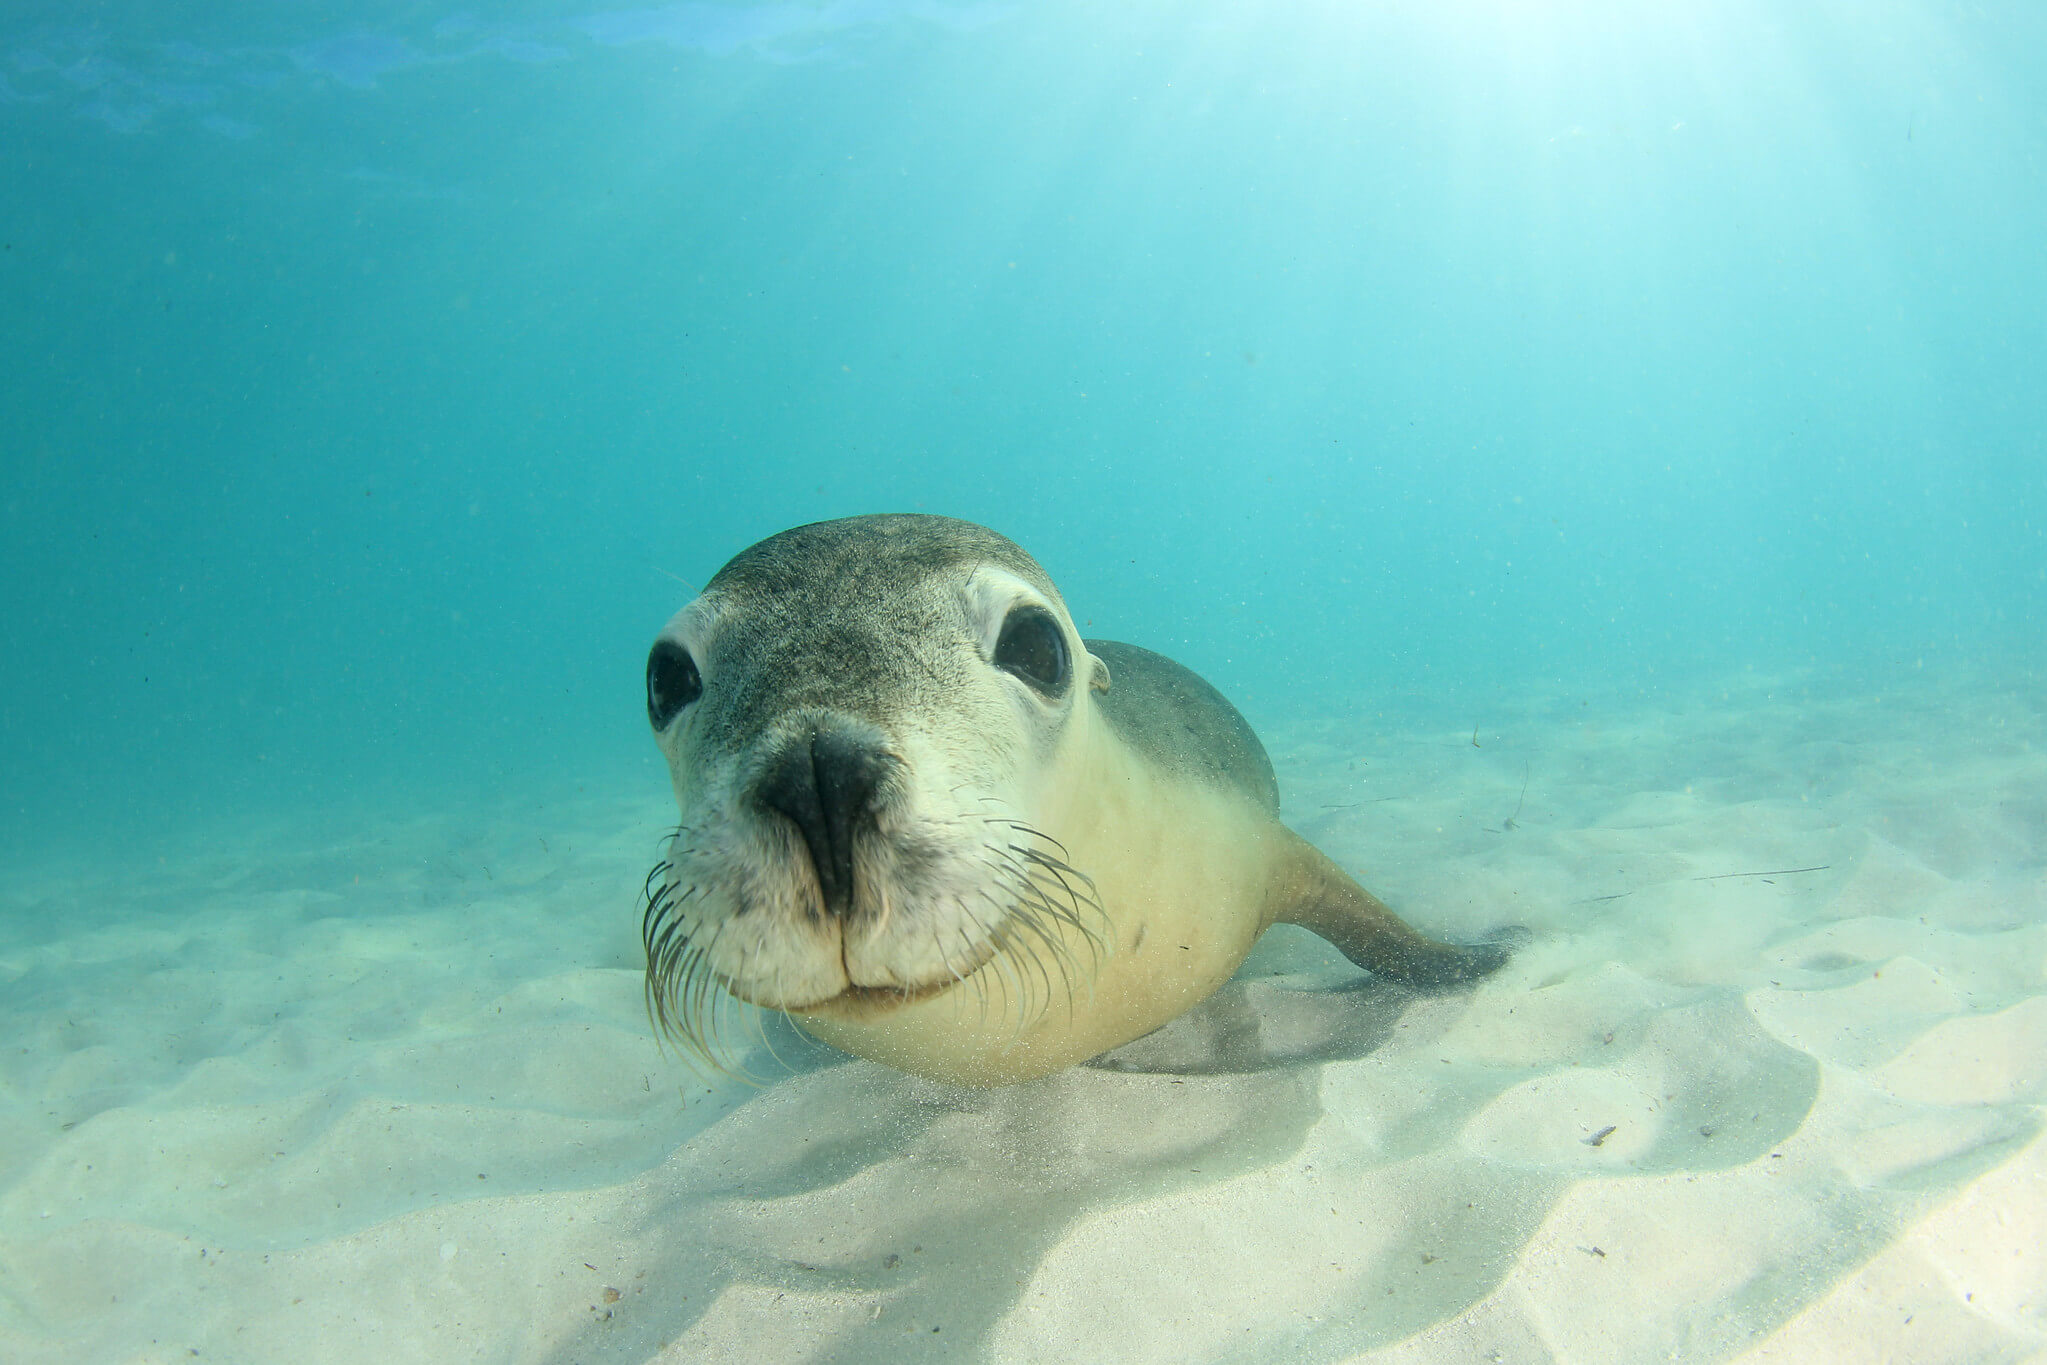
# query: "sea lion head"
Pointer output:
{"type": "Point", "coordinates": [860, 717]}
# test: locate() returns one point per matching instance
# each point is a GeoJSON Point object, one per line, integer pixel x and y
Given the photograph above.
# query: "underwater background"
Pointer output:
{"type": "Point", "coordinates": [1598, 445]}
{"type": "Point", "coordinates": [375, 372]}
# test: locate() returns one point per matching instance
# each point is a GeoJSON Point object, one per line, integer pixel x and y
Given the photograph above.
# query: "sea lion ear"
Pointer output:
{"type": "Point", "coordinates": [1099, 681]}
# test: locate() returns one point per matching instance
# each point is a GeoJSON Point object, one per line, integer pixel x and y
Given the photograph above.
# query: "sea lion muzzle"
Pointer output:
{"type": "Point", "coordinates": [827, 783]}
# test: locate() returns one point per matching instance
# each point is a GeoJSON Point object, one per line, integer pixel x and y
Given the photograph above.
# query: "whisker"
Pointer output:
{"type": "Point", "coordinates": [685, 996]}
{"type": "Point", "coordinates": [1053, 895]}
{"type": "Point", "coordinates": [981, 990]}
{"type": "Point", "coordinates": [998, 959]}
{"type": "Point", "coordinates": [1023, 954]}
{"type": "Point", "coordinates": [1075, 896]}
{"type": "Point", "coordinates": [1061, 959]}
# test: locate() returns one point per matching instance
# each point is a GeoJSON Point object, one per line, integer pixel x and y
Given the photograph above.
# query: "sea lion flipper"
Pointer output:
{"type": "Point", "coordinates": [1320, 897]}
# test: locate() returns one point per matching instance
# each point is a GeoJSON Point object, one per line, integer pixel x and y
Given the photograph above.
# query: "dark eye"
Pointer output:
{"type": "Point", "coordinates": [1032, 648]}
{"type": "Point", "coordinates": [672, 682]}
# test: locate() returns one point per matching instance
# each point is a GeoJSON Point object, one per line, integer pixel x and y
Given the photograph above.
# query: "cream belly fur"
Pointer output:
{"type": "Point", "coordinates": [929, 822]}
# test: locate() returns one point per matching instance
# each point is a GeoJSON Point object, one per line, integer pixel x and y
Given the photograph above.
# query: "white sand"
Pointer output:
{"type": "Point", "coordinates": [388, 1094]}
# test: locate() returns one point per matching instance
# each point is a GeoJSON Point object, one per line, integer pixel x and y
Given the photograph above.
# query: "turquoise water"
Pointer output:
{"type": "Point", "coordinates": [1598, 444]}
{"type": "Point", "coordinates": [374, 373]}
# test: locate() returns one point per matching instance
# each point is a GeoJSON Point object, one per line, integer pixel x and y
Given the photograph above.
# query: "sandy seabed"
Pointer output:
{"type": "Point", "coordinates": [1766, 1084]}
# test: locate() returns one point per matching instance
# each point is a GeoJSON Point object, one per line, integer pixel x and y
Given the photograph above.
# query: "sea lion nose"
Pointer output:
{"type": "Point", "coordinates": [825, 782]}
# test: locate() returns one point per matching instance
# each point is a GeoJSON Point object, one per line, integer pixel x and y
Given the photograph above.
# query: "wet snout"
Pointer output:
{"type": "Point", "coordinates": [826, 780]}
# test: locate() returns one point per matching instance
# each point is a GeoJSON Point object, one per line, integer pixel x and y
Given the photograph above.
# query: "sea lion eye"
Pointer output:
{"type": "Point", "coordinates": [672, 682]}
{"type": "Point", "coordinates": [1032, 648]}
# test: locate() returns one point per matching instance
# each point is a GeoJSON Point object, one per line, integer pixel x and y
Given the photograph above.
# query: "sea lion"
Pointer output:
{"type": "Point", "coordinates": [926, 819]}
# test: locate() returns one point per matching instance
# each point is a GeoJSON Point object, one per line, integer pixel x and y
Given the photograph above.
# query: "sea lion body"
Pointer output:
{"type": "Point", "coordinates": [927, 820]}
